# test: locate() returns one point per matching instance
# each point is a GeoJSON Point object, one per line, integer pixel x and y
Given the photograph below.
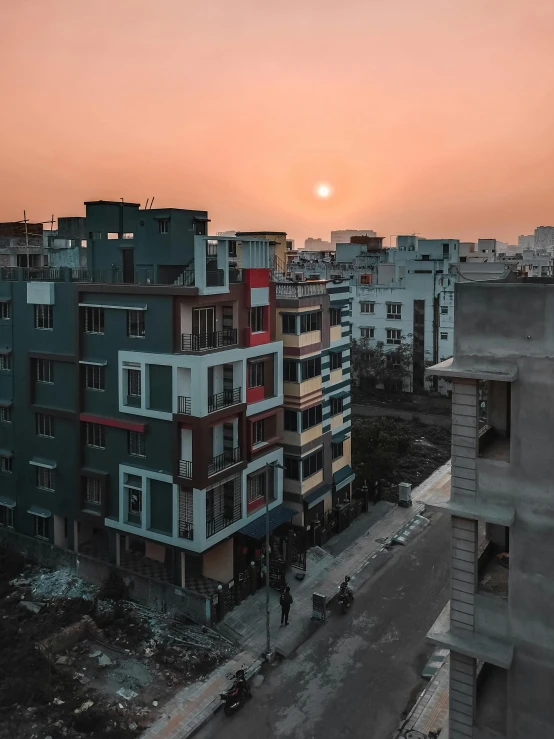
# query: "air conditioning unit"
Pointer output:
{"type": "Point", "coordinates": [404, 494]}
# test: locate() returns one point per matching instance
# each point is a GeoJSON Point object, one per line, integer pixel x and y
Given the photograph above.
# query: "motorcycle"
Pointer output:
{"type": "Point", "coordinates": [346, 597]}
{"type": "Point", "coordinates": [235, 696]}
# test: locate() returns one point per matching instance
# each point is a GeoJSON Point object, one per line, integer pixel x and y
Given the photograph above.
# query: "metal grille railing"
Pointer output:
{"type": "Point", "coordinates": [224, 399]}
{"type": "Point", "coordinates": [222, 461]}
{"type": "Point", "coordinates": [185, 469]}
{"type": "Point", "coordinates": [184, 405]}
{"type": "Point", "coordinates": [211, 340]}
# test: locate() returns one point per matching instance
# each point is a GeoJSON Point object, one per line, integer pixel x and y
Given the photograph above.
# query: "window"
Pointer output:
{"type": "Point", "coordinates": [256, 319]}
{"type": "Point", "coordinates": [44, 318]}
{"type": "Point", "coordinates": [367, 332]}
{"type": "Point", "coordinates": [335, 360]}
{"type": "Point", "coordinates": [444, 310]}
{"type": "Point", "coordinates": [394, 336]}
{"type": "Point", "coordinates": [6, 465]}
{"type": "Point", "coordinates": [336, 406]}
{"type": "Point", "coordinates": [6, 517]}
{"type": "Point", "coordinates": [290, 370]}
{"type": "Point", "coordinates": [367, 307]}
{"type": "Point", "coordinates": [337, 450]}
{"type": "Point", "coordinates": [335, 315]}
{"type": "Point", "coordinates": [44, 425]}
{"type": "Point", "coordinates": [136, 444]}
{"type": "Point", "coordinates": [42, 527]}
{"type": "Point", "coordinates": [312, 465]}
{"type": "Point", "coordinates": [5, 311]}
{"type": "Point", "coordinates": [94, 320]}
{"type": "Point", "coordinates": [5, 362]}
{"type": "Point", "coordinates": [94, 377]}
{"type": "Point", "coordinates": [394, 310]}
{"type": "Point", "coordinates": [444, 336]}
{"type": "Point", "coordinates": [291, 420]}
{"type": "Point", "coordinates": [95, 435]}
{"type": "Point", "coordinates": [5, 414]}
{"type": "Point", "coordinates": [446, 250]}
{"type": "Point", "coordinates": [93, 491]}
{"type": "Point", "coordinates": [366, 279]}
{"type": "Point", "coordinates": [256, 374]}
{"type": "Point", "coordinates": [45, 371]}
{"type": "Point", "coordinates": [292, 468]}
{"type": "Point", "coordinates": [45, 478]}
{"type": "Point", "coordinates": [133, 383]}
{"type": "Point", "coordinates": [310, 322]}
{"type": "Point", "coordinates": [163, 225]}
{"type": "Point", "coordinates": [289, 323]}
{"type": "Point", "coordinates": [135, 324]}
{"type": "Point", "coordinates": [256, 487]}
{"type": "Point", "coordinates": [311, 368]}
{"type": "Point", "coordinates": [311, 417]}
{"type": "Point", "coordinates": [258, 432]}
{"type": "Point", "coordinates": [133, 491]}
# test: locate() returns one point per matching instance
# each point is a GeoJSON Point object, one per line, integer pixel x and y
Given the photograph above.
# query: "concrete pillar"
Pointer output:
{"type": "Point", "coordinates": [182, 569]}
{"type": "Point", "coordinates": [75, 536]}
{"type": "Point", "coordinates": [118, 550]}
{"type": "Point", "coordinates": [462, 696]}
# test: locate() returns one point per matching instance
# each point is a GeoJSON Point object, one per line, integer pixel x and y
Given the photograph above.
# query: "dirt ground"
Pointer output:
{"type": "Point", "coordinates": [76, 663]}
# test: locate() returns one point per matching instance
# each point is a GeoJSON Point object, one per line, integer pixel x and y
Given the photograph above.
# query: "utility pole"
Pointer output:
{"type": "Point", "coordinates": [270, 466]}
{"type": "Point", "coordinates": [26, 238]}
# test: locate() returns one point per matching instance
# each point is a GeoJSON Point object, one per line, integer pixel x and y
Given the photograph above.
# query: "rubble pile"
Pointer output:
{"type": "Point", "coordinates": [74, 663]}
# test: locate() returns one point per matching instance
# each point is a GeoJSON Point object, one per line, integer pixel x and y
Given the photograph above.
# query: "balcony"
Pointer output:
{"type": "Point", "coordinates": [222, 461]}
{"type": "Point", "coordinates": [211, 340]}
{"type": "Point", "coordinates": [184, 405]}
{"type": "Point", "coordinates": [300, 289]}
{"type": "Point", "coordinates": [492, 445]}
{"type": "Point", "coordinates": [224, 399]}
{"type": "Point", "coordinates": [185, 469]}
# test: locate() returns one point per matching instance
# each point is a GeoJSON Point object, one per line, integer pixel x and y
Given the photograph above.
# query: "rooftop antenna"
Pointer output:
{"type": "Point", "coordinates": [151, 203]}
{"type": "Point", "coordinates": [146, 206]}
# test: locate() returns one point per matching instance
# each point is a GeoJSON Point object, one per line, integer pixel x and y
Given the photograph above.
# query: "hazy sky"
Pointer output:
{"type": "Point", "coordinates": [433, 116]}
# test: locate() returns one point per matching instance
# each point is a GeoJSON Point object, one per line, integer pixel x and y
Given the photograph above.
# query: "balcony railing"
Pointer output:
{"type": "Point", "coordinates": [184, 405]}
{"type": "Point", "coordinates": [186, 530]}
{"type": "Point", "coordinates": [300, 289]}
{"type": "Point", "coordinates": [224, 399]}
{"type": "Point", "coordinates": [211, 340]}
{"type": "Point", "coordinates": [162, 275]}
{"type": "Point", "coordinates": [185, 469]}
{"type": "Point", "coordinates": [222, 461]}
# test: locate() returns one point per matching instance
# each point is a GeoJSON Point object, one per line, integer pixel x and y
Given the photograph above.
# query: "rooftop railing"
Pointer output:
{"type": "Point", "coordinates": [300, 289]}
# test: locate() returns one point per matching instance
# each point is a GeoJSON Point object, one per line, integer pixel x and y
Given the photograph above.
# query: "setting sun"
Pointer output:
{"type": "Point", "coordinates": [323, 190]}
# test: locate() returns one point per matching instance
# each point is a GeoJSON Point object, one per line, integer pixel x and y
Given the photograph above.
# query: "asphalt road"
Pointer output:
{"type": "Point", "coordinates": [357, 675]}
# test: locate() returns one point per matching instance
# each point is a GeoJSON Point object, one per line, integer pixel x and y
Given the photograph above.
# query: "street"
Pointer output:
{"type": "Point", "coordinates": [356, 676]}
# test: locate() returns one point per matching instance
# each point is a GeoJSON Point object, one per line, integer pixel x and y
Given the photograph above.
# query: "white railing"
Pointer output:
{"type": "Point", "coordinates": [301, 289]}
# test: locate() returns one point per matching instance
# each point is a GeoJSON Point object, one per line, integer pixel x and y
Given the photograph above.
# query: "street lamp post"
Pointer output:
{"type": "Point", "coordinates": [272, 466]}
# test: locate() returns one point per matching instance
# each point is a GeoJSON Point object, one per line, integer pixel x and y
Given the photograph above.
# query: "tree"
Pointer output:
{"type": "Point", "coordinates": [377, 445]}
{"type": "Point", "coordinates": [387, 366]}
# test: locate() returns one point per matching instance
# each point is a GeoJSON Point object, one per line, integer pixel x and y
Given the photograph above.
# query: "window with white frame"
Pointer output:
{"type": "Point", "coordinates": [93, 491]}
{"type": "Point", "coordinates": [6, 465]}
{"type": "Point", "coordinates": [45, 478]}
{"type": "Point", "coordinates": [5, 311]}
{"type": "Point", "coordinates": [6, 517]}
{"type": "Point", "coordinates": [42, 527]}
{"type": "Point", "coordinates": [44, 424]}
{"type": "Point", "coordinates": [394, 310]}
{"type": "Point", "coordinates": [256, 319]}
{"type": "Point", "coordinates": [45, 371]}
{"type": "Point", "coordinates": [5, 362]}
{"type": "Point", "coordinates": [258, 432]}
{"type": "Point", "coordinates": [367, 332]}
{"type": "Point", "coordinates": [5, 414]}
{"type": "Point", "coordinates": [94, 377]}
{"type": "Point", "coordinates": [367, 307]}
{"type": "Point", "coordinates": [135, 324]}
{"type": "Point", "coordinates": [311, 417]}
{"type": "Point", "coordinates": [95, 435]}
{"type": "Point", "coordinates": [394, 336]}
{"type": "Point", "coordinates": [310, 368]}
{"type": "Point", "coordinates": [132, 487]}
{"type": "Point", "coordinates": [312, 464]}
{"type": "Point", "coordinates": [133, 383]}
{"type": "Point", "coordinates": [44, 317]}
{"type": "Point", "coordinates": [136, 444]}
{"type": "Point", "coordinates": [94, 320]}
{"type": "Point", "coordinates": [256, 486]}
{"type": "Point", "coordinates": [444, 336]}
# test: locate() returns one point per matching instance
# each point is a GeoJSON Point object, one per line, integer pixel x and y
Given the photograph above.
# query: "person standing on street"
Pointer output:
{"type": "Point", "coordinates": [286, 602]}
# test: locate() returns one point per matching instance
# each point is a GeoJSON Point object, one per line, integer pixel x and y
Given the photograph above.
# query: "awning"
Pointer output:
{"type": "Point", "coordinates": [340, 437]}
{"type": "Point", "coordinates": [342, 394]}
{"type": "Point", "coordinates": [338, 349]}
{"type": "Point", "coordinates": [7, 502]}
{"type": "Point", "coordinates": [5, 350]}
{"type": "Point", "coordinates": [343, 477]}
{"type": "Point", "coordinates": [34, 510]}
{"type": "Point", "coordinates": [201, 219]}
{"type": "Point", "coordinates": [316, 495]}
{"type": "Point", "coordinates": [277, 516]}
{"type": "Point", "coordinates": [6, 453]}
{"type": "Point", "coordinates": [5, 300]}
{"type": "Point", "coordinates": [5, 403]}
{"type": "Point", "coordinates": [113, 307]}
{"type": "Point", "coordinates": [39, 462]}
{"type": "Point", "coordinates": [95, 362]}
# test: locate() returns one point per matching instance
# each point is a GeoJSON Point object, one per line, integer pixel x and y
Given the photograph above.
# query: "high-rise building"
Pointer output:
{"type": "Point", "coordinates": [498, 624]}
{"type": "Point", "coordinates": [525, 242]}
{"type": "Point", "coordinates": [141, 401]}
{"type": "Point", "coordinates": [544, 237]}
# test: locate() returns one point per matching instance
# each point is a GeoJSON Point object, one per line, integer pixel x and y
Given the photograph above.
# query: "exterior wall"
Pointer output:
{"type": "Point", "coordinates": [217, 563]}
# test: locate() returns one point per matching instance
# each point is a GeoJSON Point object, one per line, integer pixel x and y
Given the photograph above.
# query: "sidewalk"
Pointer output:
{"type": "Point", "coordinates": [430, 713]}
{"type": "Point", "coordinates": [195, 704]}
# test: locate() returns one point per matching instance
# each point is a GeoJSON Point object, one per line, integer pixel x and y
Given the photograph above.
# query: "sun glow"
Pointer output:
{"type": "Point", "coordinates": [323, 190]}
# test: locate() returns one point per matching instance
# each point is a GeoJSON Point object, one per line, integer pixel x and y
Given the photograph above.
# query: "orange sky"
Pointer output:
{"type": "Point", "coordinates": [434, 116]}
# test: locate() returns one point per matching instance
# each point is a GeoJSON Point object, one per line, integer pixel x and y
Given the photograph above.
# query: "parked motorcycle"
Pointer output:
{"type": "Point", "coordinates": [346, 597]}
{"type": "Point", "coordinates": [237, 695]}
